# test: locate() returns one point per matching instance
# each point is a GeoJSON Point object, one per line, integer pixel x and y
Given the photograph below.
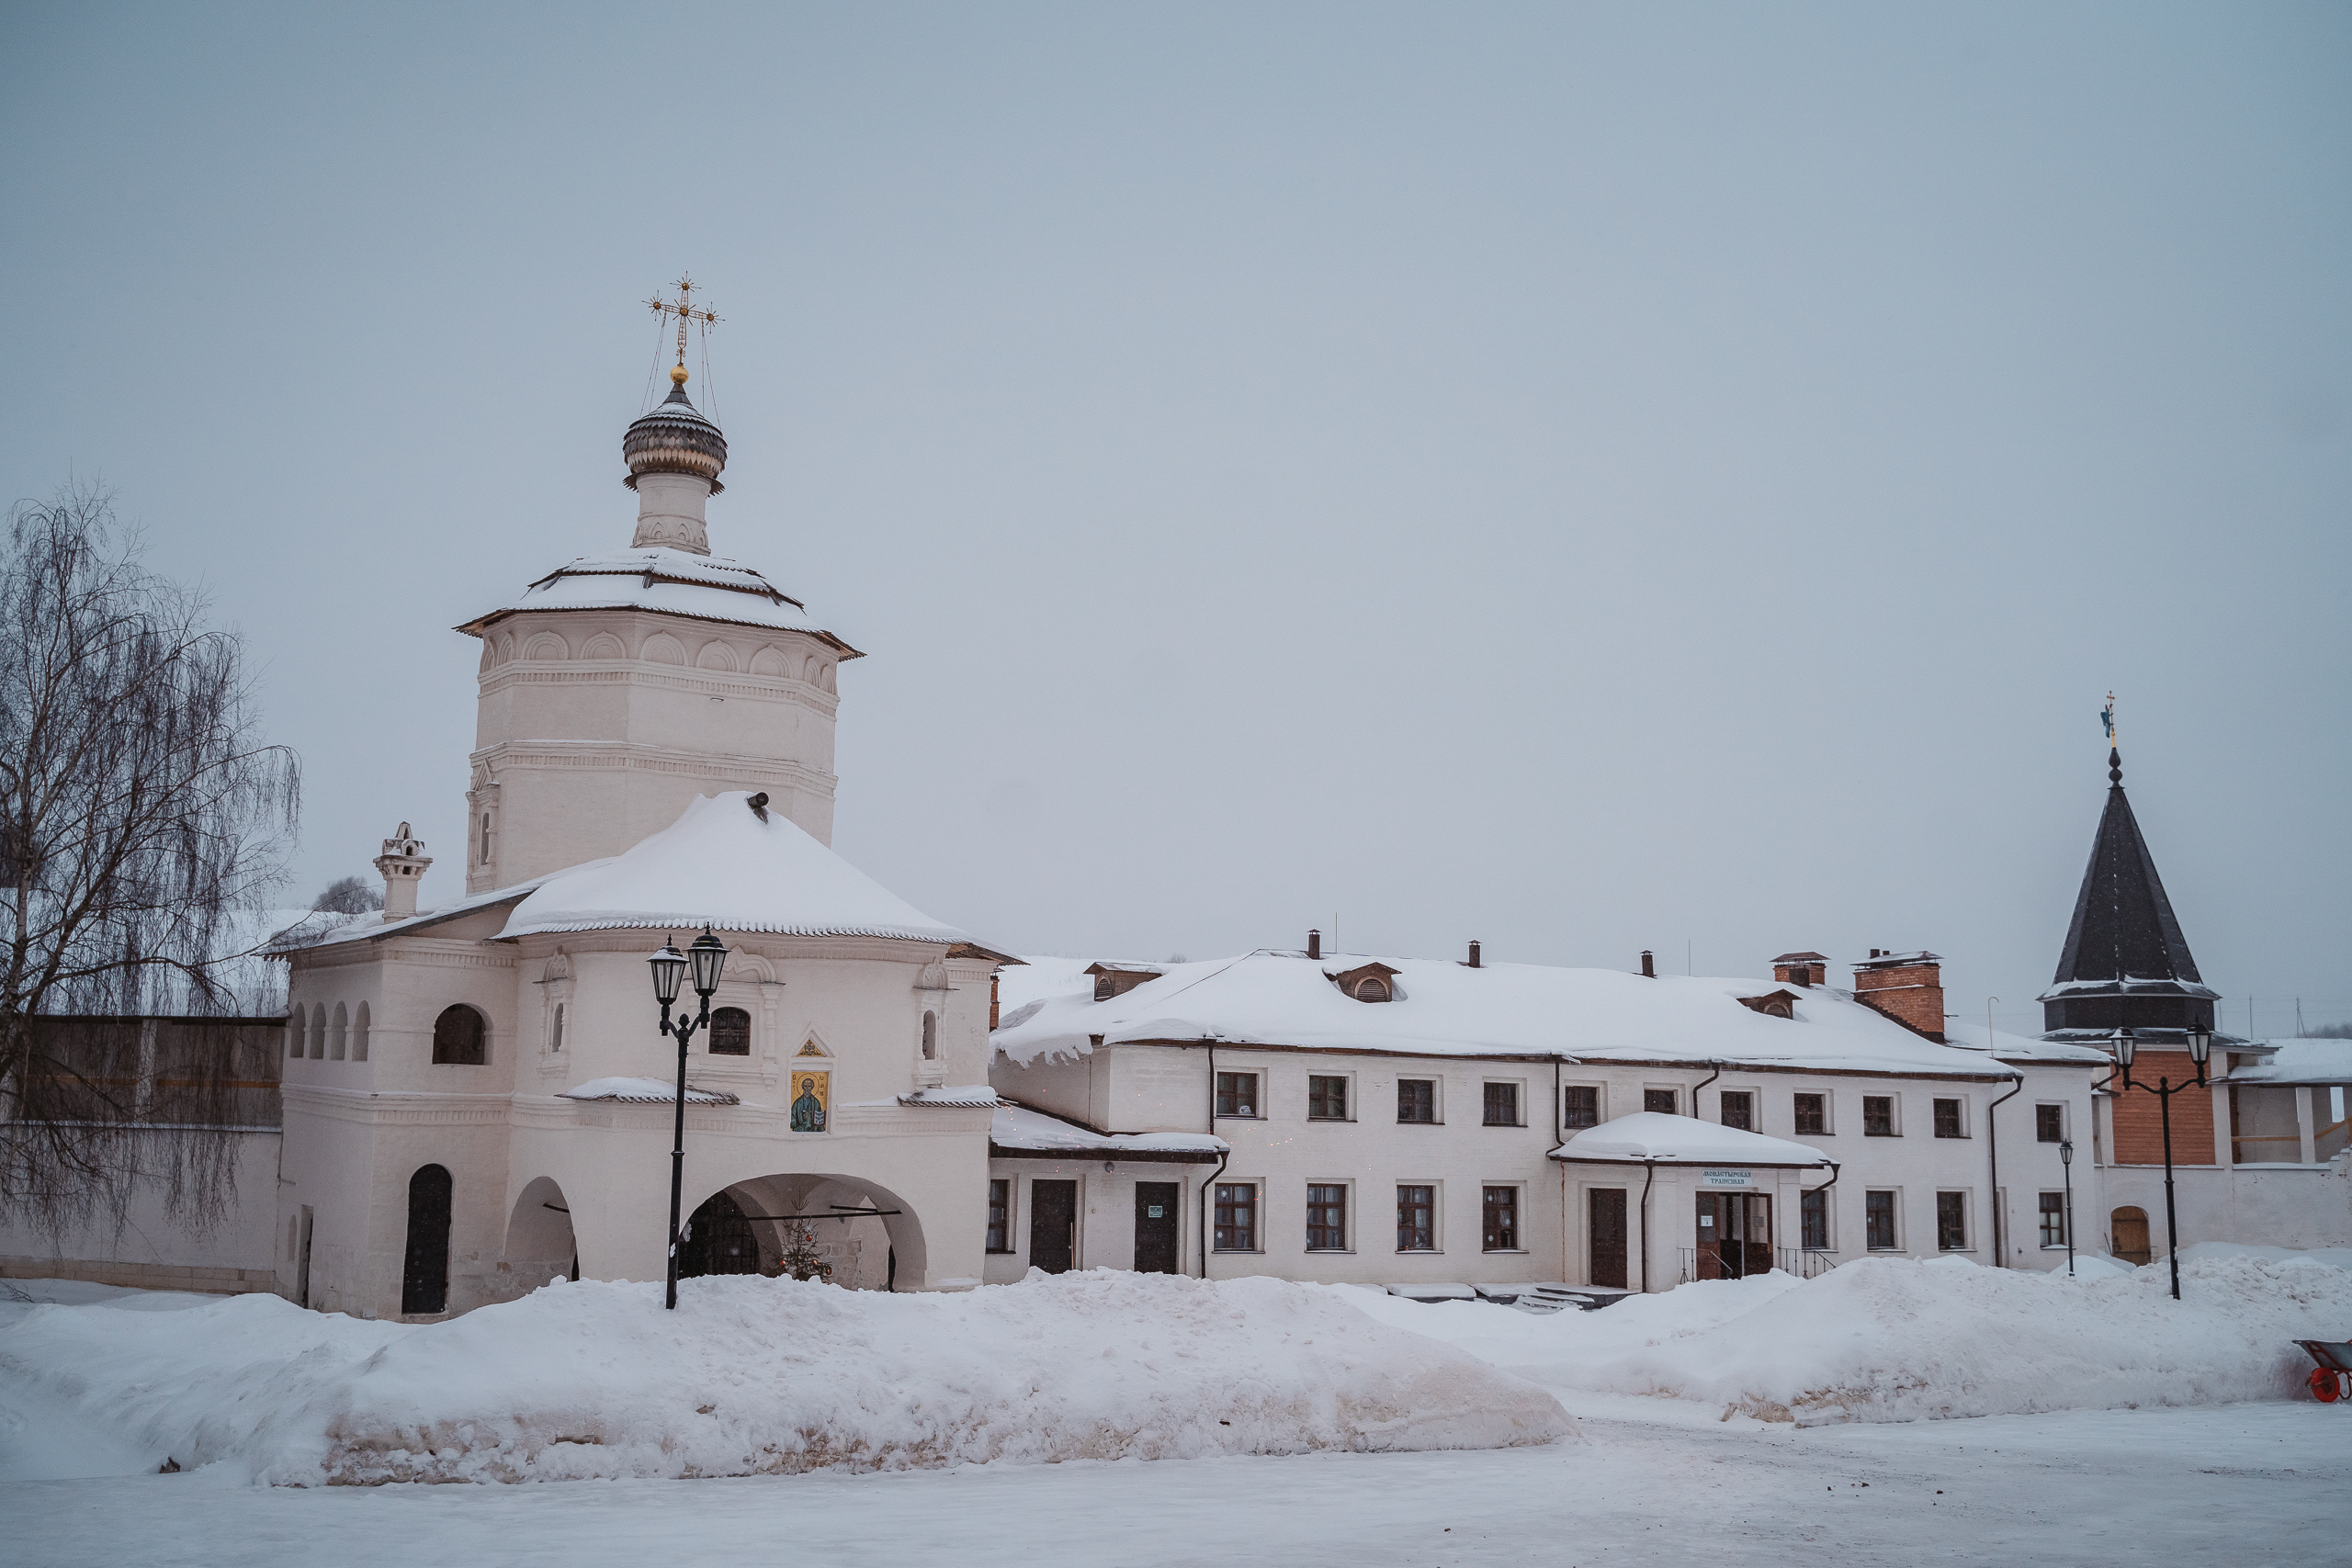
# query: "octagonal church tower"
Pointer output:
{"type": "Point", "coordinates": [620, 687]}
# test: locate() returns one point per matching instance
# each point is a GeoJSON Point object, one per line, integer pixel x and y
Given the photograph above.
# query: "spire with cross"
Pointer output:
{"type": "Point", "coordinates": [682, 308]}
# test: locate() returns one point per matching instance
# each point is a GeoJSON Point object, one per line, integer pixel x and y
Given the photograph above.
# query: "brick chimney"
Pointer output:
{"type": "Point", "coordinates": [1649, 965]}
{"type": "Point", "coordinates": [1315, 944]}
{"type": "Point", "coordinates": [1906, 986]}
{"type": "Point", "coordinates": [1800, 969]}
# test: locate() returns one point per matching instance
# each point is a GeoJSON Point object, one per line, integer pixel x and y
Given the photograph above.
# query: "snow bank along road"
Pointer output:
{"type": "Point", "coordinates": [1742, 1419]}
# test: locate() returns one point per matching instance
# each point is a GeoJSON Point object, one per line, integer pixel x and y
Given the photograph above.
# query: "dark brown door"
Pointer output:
{"type": "Point", "coordinates": [1607, 1236]}
{"type": "Point", "coordinates": [2129, 1228]}
{"type": "Point", "coordinates": [1053, 1225]}
{"type": "Point", "coordinates": [1156, 1228]}
{"type": "Point", "coordinates": [425, 1273]}
{"type": "Point", "coordinates": [1713, 1221]}
{"type": "Point", "coordinates": [1757, 1233]}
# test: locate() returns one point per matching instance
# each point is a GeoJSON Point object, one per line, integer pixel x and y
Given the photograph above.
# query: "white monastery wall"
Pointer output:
{"type": "Point", "coordinates": [153, 1251]}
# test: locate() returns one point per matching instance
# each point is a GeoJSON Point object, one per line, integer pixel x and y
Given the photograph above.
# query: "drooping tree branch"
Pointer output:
{"type": "Point", "coordinates": [143, 820]}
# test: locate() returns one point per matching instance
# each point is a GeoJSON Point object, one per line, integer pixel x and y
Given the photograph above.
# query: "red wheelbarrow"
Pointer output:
{"type": "Point", "coordinates": [2332, 1378]}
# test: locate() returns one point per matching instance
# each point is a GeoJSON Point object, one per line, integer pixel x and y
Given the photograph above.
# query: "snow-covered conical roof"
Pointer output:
{"type": "Point", "coordinates": [726, 866]}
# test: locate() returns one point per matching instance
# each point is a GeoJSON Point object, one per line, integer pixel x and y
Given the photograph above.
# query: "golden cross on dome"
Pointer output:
{"type": "Point", "coordinates": [684, 309]}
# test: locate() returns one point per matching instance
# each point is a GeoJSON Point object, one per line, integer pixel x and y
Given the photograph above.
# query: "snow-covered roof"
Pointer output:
{"type": "Point", "coordinates": [1017, 1130]}
{"type": "Point", "coordinates": [1657, 1138]}
{"type": "Point", "coordinates": [2007, 1047]}
{"type": "Point", "coordinates": [1443, 1008]}
{"type": "Point", "coordinates": [362, 928]}
{"type": "Point", "coordinates": [722, 866]}
{"type": "Point", "coordinates": [2299, 1061]}
{"type": "Point", "coordinates": [968, 1095]}
{"type": "Point", "coordinates": [645, 1091]}
{"type": "Point", "coordinates": [674, 581]}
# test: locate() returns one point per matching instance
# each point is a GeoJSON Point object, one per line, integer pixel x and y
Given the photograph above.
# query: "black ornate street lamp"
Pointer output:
{"type": "Point", "coordinates": [2200, 1045]}
{"type": "Point", "coordinates": [706, 956]}
{"type": "Point", "coordinates": [2067, 1160]}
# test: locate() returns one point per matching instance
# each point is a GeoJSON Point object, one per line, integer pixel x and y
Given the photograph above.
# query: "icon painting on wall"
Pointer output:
{"type": "Point", "coordinates": [810, 1101]}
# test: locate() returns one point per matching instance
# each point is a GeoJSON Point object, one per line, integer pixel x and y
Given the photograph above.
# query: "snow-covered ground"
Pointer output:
{"type": "Point", "coordinates": [1686, 1449]}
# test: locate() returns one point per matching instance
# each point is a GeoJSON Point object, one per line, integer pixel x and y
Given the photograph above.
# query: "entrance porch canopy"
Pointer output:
{"type": "Point", "coordinates": [1655, 1138]}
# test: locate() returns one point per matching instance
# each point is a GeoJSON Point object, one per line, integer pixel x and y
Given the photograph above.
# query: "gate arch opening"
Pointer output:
{"type": "Point", "coordinates": [424, 1272]}
{"type": "Point", "coordinates": [539, 1240]}
{"type": "Point", "coordinates": [873, 1240]}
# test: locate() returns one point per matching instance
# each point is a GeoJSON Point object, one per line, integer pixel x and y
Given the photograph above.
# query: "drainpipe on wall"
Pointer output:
{"type": "Point", "coordinates": [1208, 1187]}
{"type": "Point", "coordinates": [1646, 1224]}
{"type": "Point", "coordinates": [1993, 1149]}
{"type": "Point", "coordinates": [1703, 1083]}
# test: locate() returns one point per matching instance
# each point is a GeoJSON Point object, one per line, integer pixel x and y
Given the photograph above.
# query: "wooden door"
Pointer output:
{"type": "Point", "coordinates": [2128, 1231]}
{"type": "Point", "coordinates": [1714, 1220]}
{"type": "Point", "coordinates": [1156, 1228]}
{"type": "Point", "coordinates": [1755, 1233]}
{"type": "Point", "coordinates": [1053, 1225]}
{"type": "Point", "coordinates": [424, 1271]}
{"type": "Point", "coordinates": [1605, 1236]}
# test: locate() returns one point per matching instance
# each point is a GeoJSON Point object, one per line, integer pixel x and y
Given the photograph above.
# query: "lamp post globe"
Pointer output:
{"type": "Point", "coordinates": [2066, 1151]}
{"type": "Point", "coordinates": [2125, 1048]}
{"type": "Point", "coordinates": [708, 955]}
{"type": "Point", "coordinates": [669, 972]}
{"type": "Point", "coordinates": [2201, 1046]}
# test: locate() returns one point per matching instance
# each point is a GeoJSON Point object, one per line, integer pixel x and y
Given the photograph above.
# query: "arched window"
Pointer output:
{"type": "Point", "coordinates": [338, 1033]}
{"type": "Point", "coordinates": [461, 1039]}
{"type": "Point", "coordinates": [318, 1032]}
{"type": "Point", "coordinates": [931, 1037]}
{"type": "Point", "coordinates": [359, 1033]}
{"type": "Point", "coordinates": [424, 1275]}
{"type": "Point", "coordinates": [555, 1040]}
{"type": "Point", "coordinates": [294, 1034]}
{"type": "Point", "coordinates": [1372, 988]}
{"type": "Point", "coordinates": [486, 837]}
{"type": "Point", "coordinates": [730, 1031]}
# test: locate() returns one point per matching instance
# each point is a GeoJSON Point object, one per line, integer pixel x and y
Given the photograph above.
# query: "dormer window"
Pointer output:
{"type": "Point", "coordinates": [1117, 979]}
{"type": "Point", "coordinates": [1366, 982]}
{"type": "Point", "coordinates": [1772, 1004]}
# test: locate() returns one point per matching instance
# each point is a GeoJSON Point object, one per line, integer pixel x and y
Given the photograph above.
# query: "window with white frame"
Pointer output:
{"type": "Point", "coordinates": [1813, 1216]}
{"type": "Point", "coordinates": [1417, 1101]}
{"type": "Point", "coordinates": [1498, 1218]}
{"type": "Point", "coordinates": [1952, 1222]}
{"type": "Point", "coordinates": [1236, 1217]}
{"type": "Point", "coordinates": [1952, 1118]}
{"type": "Point", "coordinates": [1738, 1109]}
{"type": "Point", "coordinates": [2054, 1219]}
{"type": "Point", "coordinates": [1579, 1107]}
{"type": "Point", "coordinates": [1812, 1113]}
{"type": "Point", "coordinates": [2050, 1123]}
{"type": "Point", "coordinates": [1416, 1217]}
{"type": "Point", "coordinates": [1502, 1105]}
{"type": "Point", "coordinates": [1878, 1117]}
{"type": "Point", "coordinates": [1327, 1097]}
{"type": "Point", "coordinates": [1237, 1094]}
{"type": "Point", "coordinates": [1327, 1216]}
{"type": "Point", "coordinates": [1879, 1232]}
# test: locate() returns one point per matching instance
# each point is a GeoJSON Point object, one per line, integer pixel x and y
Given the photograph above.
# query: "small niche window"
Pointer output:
{"type": "Point", "coordinates": [1416, 1101]}
{"type": "Point", "coordinates": [1327, 1099]}
{"type": "Point", "coordinates": [486, 837]}
{"type": "Point", "coordinates": [1813, 1114]}
{"type": "Point", "coordinates": [1739, 1110]}
{"type": "Point", "coordinates": [730, 1031]}
{"type": "Point", "coordinates": [1580, 1106]}
{"type": "Point", "coordinates": [931, 1037]}
{"type": "Point", "coordinates": [555, 1037]}
{"type": "Point", "coordinates": [1000, 1213]}
{"type": "Point", "coordinates": [1237, 1094]}
{"type": "Point", "coordinates": [460, 1038]}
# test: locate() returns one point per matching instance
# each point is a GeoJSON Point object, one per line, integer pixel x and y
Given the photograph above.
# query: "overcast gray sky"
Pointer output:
{"type": "Point", "coordinates": [1585, 478]}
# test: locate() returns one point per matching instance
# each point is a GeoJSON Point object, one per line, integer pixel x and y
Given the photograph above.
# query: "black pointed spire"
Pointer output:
{"type": "Point", "coordinates": [2126, 964]}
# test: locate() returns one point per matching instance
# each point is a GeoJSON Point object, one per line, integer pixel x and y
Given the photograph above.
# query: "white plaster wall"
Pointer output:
{"type": "Point", "coordinates": [595, 728]}
{"type": "Point", "coordinates": [152, 1249]}
{"type": "Point", "coordinates": [1106, 1211]}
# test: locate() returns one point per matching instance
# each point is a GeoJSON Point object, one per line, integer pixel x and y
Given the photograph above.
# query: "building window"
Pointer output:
{"type": "Point", "coordinates": [359, 1033]}
{"type": "Point", "coordinates": [931, 1037]}
{"type": "Point", "coordinates": [555, 1035]}
{"type": "Point", "coordinates": [337, 1033]}
{"type": "Point", "coordinates": [1812, 1215]}
{"type": "Point", "coordinates": [1878, 1116]}
{"type": "Point", "coordinates": [1502, 1105]}
{"type": "Point", "coordinates": [1813, 1114]}
{"type": "Point", "coordinates": [1417, 1219]}
{"type": "Point", "coordinates": [1327, 1099]}
{"type": "Point", "coordinates": [294, 1033]}
{"type": "Point", "coordinates": [1417, 1099]}
{"type": "Point", "coordinates": [1000, 1215]}
{"type": "Point", "coordinates": [1236, 1216]}
{"type": "Point", "coordinates": [1372, 988]}
{"type": "Point", "coordinates": [2331, 1131]}
{"type": "Point", "coordinates": [2054, 1219]}
{"type": "Point", "coordinates": [730, 1031]}
{"type": "Point", "coordinates": [1500, 1206]}
{"type": "Point", "coordinates": [2049, 1123]}
{"type": "Point", "coordinates": [1580, 1106]}
{"type": "Point", "coordinates": [1740, 1108]}
{"type": "Point", "coordinates": [1878, 1222]}
{"type": "Point", "coordinates": [1952, 1222]}
{"type": "Point", "coordinates": [1327, 1216]}
{"type": "Point", "coordinates": [1658, 1100]}
{"type": "Point", "coordinates": [1237, 1094]}
{"type": "Point", "coordinates": [1948, 1119]}
{"type": "Point", "coordinates": [459, 1038]}
{"type": "Point", "coordinates": [486, 837]}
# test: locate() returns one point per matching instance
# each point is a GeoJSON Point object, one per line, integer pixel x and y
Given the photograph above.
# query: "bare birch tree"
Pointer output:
{"type": "Point", "coordinates": [142, 822]}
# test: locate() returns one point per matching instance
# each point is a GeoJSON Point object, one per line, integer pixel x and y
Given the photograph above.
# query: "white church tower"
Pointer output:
{"type": "Point", "coordinates": [618, 688]}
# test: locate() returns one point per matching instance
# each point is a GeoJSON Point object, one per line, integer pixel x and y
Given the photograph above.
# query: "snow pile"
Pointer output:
{"type": "Point", "coordinates": [1888, 1339]}
{"type": "Point", "coordinates": [753, 1376]}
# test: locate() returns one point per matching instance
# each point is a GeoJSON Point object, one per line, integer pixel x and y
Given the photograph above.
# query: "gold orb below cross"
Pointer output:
{"type": "Point", "coordinates": [677, 374]}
